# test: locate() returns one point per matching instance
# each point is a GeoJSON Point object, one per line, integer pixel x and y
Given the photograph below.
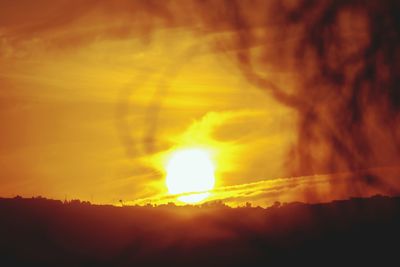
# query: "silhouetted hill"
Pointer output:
{"type": "Point", "coordinates": [41, 232]}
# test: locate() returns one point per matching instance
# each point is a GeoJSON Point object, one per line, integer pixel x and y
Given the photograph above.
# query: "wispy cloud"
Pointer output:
{"type": "Point", "coordinates": [315, 188]}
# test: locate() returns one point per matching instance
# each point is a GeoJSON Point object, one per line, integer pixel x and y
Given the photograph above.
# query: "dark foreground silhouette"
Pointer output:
{"type": "Point", "coordinates": [41, 232]}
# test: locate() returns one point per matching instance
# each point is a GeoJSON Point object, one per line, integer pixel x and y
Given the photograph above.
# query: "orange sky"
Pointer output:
{"type": "Point", "coordinates": [93, 95]}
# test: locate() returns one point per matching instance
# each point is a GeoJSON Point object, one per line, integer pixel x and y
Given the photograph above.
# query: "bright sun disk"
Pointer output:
{"type": "Point", "coordinates": [190, 171]}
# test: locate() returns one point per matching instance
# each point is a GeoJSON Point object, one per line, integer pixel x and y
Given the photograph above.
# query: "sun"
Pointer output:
{"type": "Point", "coordinates": [190, 172]}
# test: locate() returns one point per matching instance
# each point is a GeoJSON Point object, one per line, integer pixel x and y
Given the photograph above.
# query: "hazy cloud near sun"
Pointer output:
{"type": "Point", "coordinates": [213, 125]}
{"type": "Point", "coordinates": [238, 138]}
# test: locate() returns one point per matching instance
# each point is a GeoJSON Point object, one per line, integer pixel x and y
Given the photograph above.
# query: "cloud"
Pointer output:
{"type": "Point", "coordinates": [65, 24]}
{"type": "Point", "coordinates": [204, 130]}
{"type": "Point", "coordinates": [309, 189]}
{"type": "Point", "coordinates": [263, 193]}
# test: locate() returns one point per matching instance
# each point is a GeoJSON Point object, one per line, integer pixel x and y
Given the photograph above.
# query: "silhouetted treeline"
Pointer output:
{"type": "Point", "coordinates": [40, 232]}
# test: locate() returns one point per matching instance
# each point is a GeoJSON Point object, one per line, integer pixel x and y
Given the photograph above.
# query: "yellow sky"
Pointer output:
{"type": "Point", "coordinates": [89, 121]}
{"type": "Point", "coordinates": [95, 95]}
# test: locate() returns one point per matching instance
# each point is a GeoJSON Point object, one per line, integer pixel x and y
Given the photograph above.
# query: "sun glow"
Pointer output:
{"type": "Point", "coordinates": [190, 172]}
